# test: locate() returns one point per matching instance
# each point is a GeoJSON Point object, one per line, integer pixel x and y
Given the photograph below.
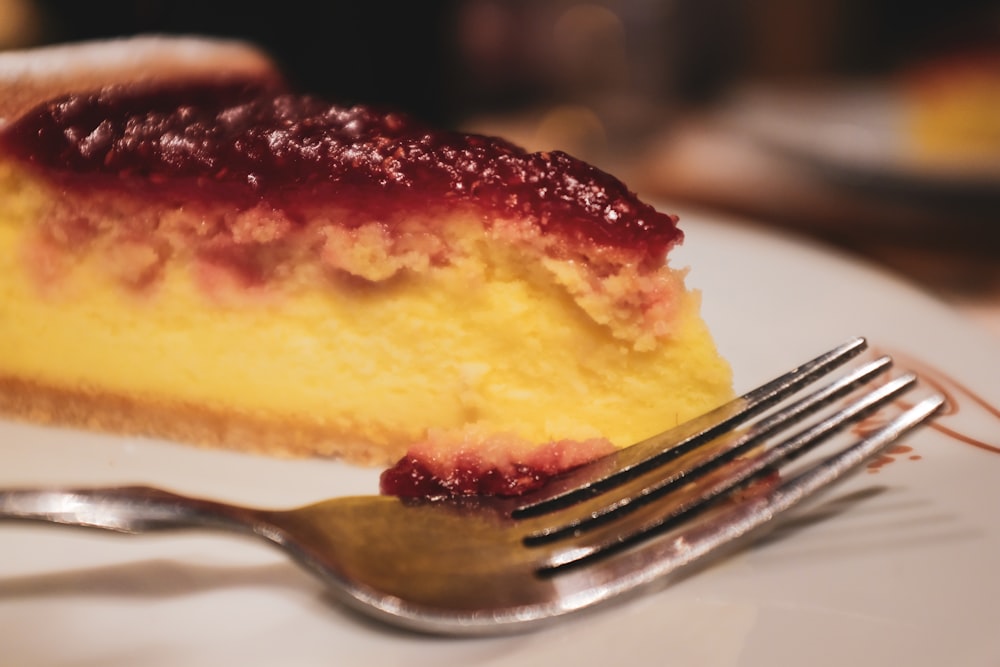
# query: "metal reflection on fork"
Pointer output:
{"type": "Point", "coordinates": [614, 526]}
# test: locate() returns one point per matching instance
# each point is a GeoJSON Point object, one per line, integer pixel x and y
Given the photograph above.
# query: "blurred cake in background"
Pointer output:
{"type": "Point", "coordinates": [952, 107]}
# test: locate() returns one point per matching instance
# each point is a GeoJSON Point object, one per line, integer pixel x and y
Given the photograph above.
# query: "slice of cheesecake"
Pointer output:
{"type": "Point", "coordinates": [212, 260]}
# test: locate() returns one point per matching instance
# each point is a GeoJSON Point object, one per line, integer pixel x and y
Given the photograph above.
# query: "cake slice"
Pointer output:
{"type": "Point", "coordinates": [212, 260]}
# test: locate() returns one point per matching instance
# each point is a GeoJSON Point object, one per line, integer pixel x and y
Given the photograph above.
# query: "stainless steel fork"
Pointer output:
{"type": "Point", "coordinates": [614, 526]}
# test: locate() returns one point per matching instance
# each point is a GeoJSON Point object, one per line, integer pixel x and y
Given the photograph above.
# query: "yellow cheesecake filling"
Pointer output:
{"type": "Point", "coordinates": [359, 353]}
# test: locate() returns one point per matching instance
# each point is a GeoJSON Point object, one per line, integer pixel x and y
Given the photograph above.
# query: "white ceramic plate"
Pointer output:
{"type": "Point", "coordinates": [856, 133]}
{"type": "Point", "coordinates": [899, 567]}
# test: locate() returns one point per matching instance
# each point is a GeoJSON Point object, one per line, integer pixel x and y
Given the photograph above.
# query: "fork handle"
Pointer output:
{"type": "Point", "coordinates": [124, 509]}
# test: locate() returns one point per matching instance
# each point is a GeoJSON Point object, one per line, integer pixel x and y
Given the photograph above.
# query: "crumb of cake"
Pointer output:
{"type": "Point", "coordinates": [473, 463]}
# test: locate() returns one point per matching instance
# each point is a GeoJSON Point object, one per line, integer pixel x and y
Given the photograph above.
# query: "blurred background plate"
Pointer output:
{"type": "Point", "coordinates": [862, 135]}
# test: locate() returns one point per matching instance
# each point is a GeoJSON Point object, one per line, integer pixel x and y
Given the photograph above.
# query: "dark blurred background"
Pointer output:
{"type": "Point", "coordinates": [448, 59]}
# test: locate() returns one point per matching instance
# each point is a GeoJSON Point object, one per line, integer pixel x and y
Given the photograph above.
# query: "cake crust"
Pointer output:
{"type": "Point", "coordinates": [195, 424]}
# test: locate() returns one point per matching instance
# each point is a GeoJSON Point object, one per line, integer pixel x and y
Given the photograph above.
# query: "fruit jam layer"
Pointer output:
{"type": "Point", "coordinates": [289, 152]}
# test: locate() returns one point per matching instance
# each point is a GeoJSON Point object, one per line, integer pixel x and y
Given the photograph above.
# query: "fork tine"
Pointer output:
{"type": "Point", "coordinates": [650, 508]}
{"type": "Point", "coordinates": [719, 453]}
{"type": "Point", "coordinates": [660, 559]}
{"type": "Point", "coordinates": [735, 519]}
{"type": "Point", "coordinates": [624, 464]}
